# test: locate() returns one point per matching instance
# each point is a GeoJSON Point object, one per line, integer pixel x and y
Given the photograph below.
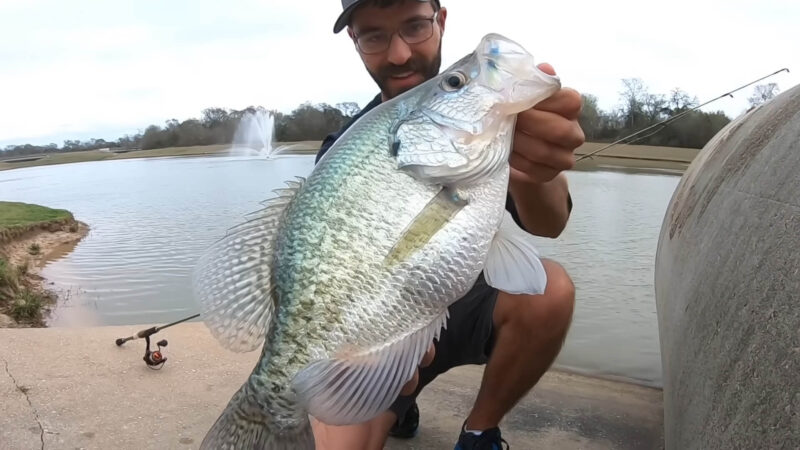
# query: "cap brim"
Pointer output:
{"type": "Point", "coordinates": [344, 18]}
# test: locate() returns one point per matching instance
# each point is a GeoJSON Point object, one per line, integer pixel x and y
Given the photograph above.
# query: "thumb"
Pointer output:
{"type": "Point", "coordinates": [547, 68]}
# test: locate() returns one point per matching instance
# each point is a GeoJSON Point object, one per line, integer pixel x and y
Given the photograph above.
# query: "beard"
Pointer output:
{"type": "Point", "coordinates": [427, 68]}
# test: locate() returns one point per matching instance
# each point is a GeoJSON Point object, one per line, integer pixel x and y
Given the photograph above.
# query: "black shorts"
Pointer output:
{"type": "Point", "coordinates": [468, 339]}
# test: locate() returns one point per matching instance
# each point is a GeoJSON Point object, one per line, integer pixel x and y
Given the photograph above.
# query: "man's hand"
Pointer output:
{"type": "Point", "coordinates": [546, 137]}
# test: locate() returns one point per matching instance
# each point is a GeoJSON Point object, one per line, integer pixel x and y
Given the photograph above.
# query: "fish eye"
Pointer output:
{"type": "Point", "coordinates": [454, 81]}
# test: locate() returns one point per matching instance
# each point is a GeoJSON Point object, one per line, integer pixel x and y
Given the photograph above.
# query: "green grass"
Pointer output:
{"type": "Point", "coordinates": [22, 269]}
{"type": "Point", "coordinates": [13, 214]}
{"type": "Point", "coordinates": [174, 151]}
{"type": "Point", "coordinates": [26, 305]}
{"type": "Point", "coordinates": [16, 299]}
{"type": "Point", "coordinates": [59, 158]}
{"type": "Point", "coordinates": [95, 155]}
{"type": "Point", "coordinates": [635, 157]}
{"type": "Point", "coordinates": [8, 277]}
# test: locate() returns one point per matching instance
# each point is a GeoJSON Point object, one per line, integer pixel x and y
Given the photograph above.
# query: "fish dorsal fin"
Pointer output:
{"type": "Point", "coordinates": [513, 264]}
{"type": "Point", "coordinates": [355, 387]}
{"type": "Point", "coordinates": [233, 279]}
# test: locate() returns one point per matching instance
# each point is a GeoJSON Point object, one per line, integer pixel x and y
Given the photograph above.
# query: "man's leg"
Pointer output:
{"type": "Point", "coordinates": [466, 341]}
{"type": "Point", "coordinates": [370, 435]}
{"type": "Point", "coordinates": [529, 333]}
{"type": "Point", "coordinates": [364, 436]}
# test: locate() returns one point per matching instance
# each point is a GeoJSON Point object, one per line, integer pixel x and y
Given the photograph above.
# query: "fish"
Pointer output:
{"type": "Point", "coordinates": [344, 277]}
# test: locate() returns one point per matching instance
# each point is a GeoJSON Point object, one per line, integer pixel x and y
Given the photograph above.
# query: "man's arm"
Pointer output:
{"type": "Point", "coordinates": [543, 208]}
{"type": "Point", "coordinates": [545, 139]}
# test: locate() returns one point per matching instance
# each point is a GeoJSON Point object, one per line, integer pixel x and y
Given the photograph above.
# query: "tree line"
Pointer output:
{"type": "Point", "coordinates": [638, 109]}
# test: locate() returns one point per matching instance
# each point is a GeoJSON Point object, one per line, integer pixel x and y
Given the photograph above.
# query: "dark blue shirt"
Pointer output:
{"type": "Point", "coordinates": [331, 138]}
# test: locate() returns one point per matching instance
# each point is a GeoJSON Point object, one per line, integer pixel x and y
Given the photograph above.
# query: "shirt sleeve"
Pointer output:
{"type": "Point", "coordinates": [327, 143]}
{"type": "Point", "coordinates": [331, 138]}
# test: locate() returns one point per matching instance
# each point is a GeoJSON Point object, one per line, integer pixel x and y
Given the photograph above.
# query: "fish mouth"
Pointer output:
{"type": "Point", "coordinates": [511, 70]}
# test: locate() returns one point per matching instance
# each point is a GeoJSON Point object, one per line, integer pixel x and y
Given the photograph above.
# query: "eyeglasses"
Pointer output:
{"type": "Point", "coordinates": [413, 32]}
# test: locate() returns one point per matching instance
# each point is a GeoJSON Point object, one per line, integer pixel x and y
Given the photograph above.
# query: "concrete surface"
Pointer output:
{"type": "Point", "coordinates": [728, 288]}
{"type": "Point", "coordinates": [66, 388]}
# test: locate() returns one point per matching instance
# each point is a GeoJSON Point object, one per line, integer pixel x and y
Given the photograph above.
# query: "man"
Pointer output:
{"type": "Point", "coordinates": [516, 336]}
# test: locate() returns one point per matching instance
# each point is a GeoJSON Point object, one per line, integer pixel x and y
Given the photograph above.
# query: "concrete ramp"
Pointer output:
{"type": "Point", "coordinates": [75, 389]}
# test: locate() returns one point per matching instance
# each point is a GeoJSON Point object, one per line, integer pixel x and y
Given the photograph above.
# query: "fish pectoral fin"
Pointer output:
{"type": "Point", "coordinates": [431, 148]}
{"type": "Point", "coordinates": [232, 281]}
{"type": "Point", "coordinates": [357, 387]}
{"type": "Point", "coordinates": [513, 264]}
{"type": "Point", "coordinates": [432, 218]}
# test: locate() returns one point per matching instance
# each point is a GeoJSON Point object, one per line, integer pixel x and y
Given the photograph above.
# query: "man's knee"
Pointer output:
{"type": "Point", "coordinates": [549, 313]}
{"type": "Point", "coordinates": [370, 435]}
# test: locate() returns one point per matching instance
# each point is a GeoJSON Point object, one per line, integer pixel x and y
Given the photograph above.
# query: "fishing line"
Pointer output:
{"type": "Point", "coordinates": [675, 117]}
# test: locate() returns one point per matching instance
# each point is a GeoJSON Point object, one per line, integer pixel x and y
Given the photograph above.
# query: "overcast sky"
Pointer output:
{"type": "Point", "coordinates": [73, 69]}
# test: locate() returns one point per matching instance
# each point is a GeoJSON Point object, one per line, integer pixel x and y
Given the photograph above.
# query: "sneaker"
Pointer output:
{"type": "Point", "coordinates": [488, 440]}
{"type": "Point", "coordinates": [406, 426]}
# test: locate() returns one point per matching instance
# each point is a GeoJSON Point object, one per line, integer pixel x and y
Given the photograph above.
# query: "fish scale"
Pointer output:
{"type": "Point", "coordinates": [349, 273]}
{"type": "Point", "coordinates": [338, 187]}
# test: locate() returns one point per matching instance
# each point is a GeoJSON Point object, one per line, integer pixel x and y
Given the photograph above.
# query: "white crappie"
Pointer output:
{"type": "Point", "coordinates": [346, 277]}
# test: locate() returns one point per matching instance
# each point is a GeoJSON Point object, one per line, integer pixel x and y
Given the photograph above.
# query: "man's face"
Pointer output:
{"type": "Point", "coordinates": [401, 66]}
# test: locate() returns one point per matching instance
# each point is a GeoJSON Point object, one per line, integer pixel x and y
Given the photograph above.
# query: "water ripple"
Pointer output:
{"type": "Point", "coordinates": [151, 219]}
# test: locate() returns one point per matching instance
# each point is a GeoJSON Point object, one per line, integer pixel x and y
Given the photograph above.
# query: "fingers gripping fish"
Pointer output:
{"type": "Point", "coordinates": [345, 277]}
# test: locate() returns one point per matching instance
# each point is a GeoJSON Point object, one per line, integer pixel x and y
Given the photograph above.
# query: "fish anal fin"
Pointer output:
{"type": "Point", "coordinates": [356, 387]}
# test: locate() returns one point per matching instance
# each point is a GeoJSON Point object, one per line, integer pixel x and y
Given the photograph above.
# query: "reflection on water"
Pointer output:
{"type": "Point", "coordinates": [151, 218]}
{"type": "Point", "coordinates": [609, 250]}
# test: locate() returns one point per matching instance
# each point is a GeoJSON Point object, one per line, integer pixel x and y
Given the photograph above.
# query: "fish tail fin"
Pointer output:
{"type": "Point", "coordinates": [247, 424]}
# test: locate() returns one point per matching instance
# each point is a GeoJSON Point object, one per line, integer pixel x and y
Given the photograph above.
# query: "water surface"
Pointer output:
{"type": "Point", "coordinates": [151, 218]}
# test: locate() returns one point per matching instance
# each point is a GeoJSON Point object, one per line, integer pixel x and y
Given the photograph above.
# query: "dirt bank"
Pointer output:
{"type": "Point", "coordinates": [26, 250]}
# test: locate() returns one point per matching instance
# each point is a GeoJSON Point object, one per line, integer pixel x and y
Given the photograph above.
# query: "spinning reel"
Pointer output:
{"type": "Point", "coordinates": [154, 359]}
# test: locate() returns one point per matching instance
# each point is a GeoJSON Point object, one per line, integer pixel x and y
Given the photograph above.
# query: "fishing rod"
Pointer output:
{"type": "Point", "coordinates": [664, 122]}
{"type": "Point", "coordinates": [154, 359]}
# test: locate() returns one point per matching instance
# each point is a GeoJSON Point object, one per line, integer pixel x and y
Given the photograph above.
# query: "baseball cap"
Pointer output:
{"type": "Point", "coordinates": [348, 6]}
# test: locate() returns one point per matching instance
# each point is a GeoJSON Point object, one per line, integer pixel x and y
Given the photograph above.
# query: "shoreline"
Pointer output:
{"type": "Point", "coordinates": [53, 239]}
{"type": "Point", "coordinates": [632, 158]}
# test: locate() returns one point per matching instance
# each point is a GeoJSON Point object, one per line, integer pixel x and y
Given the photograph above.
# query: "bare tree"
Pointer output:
{"type": "Point", "coordinates": [349, 109]}
{"type": "Point", "coordinates": [762, 93]}
{"type": "Point", "coordinates": [680, 101]}
{"type": "Point", "coordinates": [633, 95]}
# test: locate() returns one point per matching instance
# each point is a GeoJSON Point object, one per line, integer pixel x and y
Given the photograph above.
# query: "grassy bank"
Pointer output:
{"type": "Point", "coordinates": [23, 297]}
{"type": "Point", "coordinates": [636, 158]}
{"type": "Point", "coordinates": [17, 219]}
{"type": "Point", "coordinates": [626, 157]}
{"type": "Point", "coordinates": [16, 215]}
{"type": "Point", "coordinates": [95, 155]}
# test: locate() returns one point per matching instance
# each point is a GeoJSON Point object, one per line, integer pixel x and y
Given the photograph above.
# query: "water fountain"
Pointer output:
{"type": "Point", "coordinates": [255, 134]}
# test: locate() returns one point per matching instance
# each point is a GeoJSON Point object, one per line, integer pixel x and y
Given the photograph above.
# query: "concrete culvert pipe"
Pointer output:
{"type": "Point", "coordinates": [727, 286]}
